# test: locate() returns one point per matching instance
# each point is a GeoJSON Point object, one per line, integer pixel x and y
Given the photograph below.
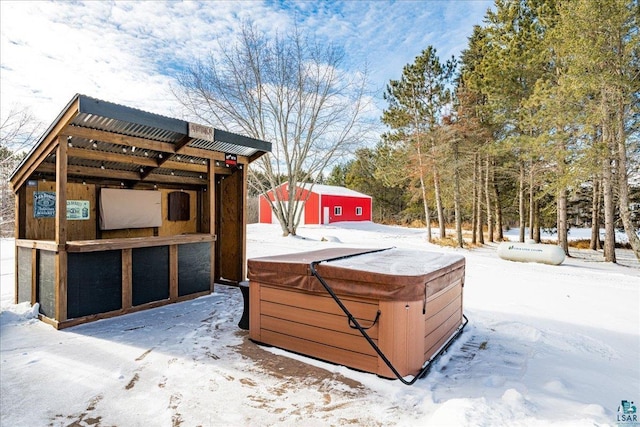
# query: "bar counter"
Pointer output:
{"type": "Point", "coordinates": [110, 277]}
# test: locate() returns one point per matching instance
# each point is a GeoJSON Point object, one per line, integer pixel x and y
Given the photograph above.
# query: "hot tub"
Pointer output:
{"type": "Point", "coordinates": [408, 302]}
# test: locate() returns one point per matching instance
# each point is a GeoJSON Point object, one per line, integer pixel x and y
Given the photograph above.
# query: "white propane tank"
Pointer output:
{"type": "Point", "coordinates": [531, 252]}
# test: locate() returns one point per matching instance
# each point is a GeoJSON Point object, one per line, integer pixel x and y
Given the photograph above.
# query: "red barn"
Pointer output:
{"type": "Point", "coordinates": [324, 204]}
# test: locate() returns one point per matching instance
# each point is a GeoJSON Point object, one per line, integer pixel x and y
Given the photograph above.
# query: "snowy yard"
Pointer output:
{"type": "Point", "coordinates": [545, 345]}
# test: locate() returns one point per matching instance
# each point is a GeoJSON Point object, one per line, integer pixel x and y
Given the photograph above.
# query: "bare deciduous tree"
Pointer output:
{"type": "Point", "coordinates": [289, 90]}
{"type": "Point", "coordinates": [18, 132]}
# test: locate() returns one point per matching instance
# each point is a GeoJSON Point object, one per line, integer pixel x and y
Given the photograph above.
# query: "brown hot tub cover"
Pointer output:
{"type": "Point", "coordinates": [388, 275]}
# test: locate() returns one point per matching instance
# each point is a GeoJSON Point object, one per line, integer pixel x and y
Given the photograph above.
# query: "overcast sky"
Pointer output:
{"type": "Point", "coordinates": [129, 52]}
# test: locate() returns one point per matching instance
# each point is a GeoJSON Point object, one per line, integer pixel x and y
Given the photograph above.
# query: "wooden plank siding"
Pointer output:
{"type": "Point", "coordinates": [408, 333]}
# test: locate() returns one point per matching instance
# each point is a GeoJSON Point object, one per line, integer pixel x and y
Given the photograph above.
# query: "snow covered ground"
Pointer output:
{"type": "Point", "coordinates": [545, 345]}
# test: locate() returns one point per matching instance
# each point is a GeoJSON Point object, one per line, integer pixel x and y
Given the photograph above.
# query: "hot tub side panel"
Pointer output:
{"type": "Point", "coordinates": [313, 325]}
{"type": "Point", "coordinates": [401, 329]}
{"type": "Point", "coordinates": [443, 311]}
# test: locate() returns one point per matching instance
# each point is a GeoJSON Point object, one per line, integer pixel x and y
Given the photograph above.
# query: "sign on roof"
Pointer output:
{"type": "Point", "coordinates": [197, 131]}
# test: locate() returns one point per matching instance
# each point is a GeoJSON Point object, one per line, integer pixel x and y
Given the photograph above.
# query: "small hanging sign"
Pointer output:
{"type": "Point", "coordinates": [230, 160]}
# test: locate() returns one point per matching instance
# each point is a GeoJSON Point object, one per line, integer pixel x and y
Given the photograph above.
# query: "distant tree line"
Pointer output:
{"type": "Point", "coordinates": [536, 127]}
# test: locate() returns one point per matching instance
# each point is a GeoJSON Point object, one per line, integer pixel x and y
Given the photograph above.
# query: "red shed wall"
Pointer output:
{"type": "Point", "coordinates": [264, 210]}
{"type": "Point", "coordinates": [349, 205]}
{"type": "Point", "coordinates": [312, 213]}
{"type": "Point", "coordinates": [313, 210]}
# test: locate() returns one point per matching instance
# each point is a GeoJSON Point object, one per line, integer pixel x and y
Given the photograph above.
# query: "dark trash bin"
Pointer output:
{"type": "Point", "coordinates": [244, 320]}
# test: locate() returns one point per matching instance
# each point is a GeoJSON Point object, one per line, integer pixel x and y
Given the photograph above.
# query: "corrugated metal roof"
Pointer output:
{"type": "Point", "coordinates": [125, 128]}
{"type": "Point", "coordinates": [115, 118]}
{"type": "Point", "coordinates": [103, 138]}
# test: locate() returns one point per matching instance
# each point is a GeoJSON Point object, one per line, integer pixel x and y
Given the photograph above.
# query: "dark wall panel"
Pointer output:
{"type": "Point", "coordinates": [150, 274]}
{"type": "Point", "coordinates": [46, 283]}
{"type": "Point", "coordinates": [94, 283]}
{"type": "Point", "coordinates": [24, 274]}
{"type": "Point", "coordinates": [194, 268]}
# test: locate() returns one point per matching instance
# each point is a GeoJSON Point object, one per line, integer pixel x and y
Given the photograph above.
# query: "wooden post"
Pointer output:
{"type": "Point", "coordinates": [19, 232]}
{"type": "Point", "coordinates": [61, 232]}
{"type": "Point", "coordinates": [173, 272]}
{"type": "Point", "coordinates": [16, 236]}
{"type": "Point", "coordinates": [34, 276]}
{"type": "Point", "coordinates": [127, 272]}
{"type": "Point", "coordinates": [211, 189]}
{"type": "Point", "coordinates": [243, 206]}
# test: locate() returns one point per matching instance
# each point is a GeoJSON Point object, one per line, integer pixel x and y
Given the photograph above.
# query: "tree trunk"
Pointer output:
{"type": "Point", "coordinates": [623, 186]}
{"type": "Point", "coordinates": [496, 195]}
{"type": "Point", "coordinates": [440, 209]}
{"type": "Point", "coordinates": [478, 202]}
{"type": "Point", "coordinates": [521, 203]}
{"type": "Point", "coordinates": [456, 194]}
{"type": "Point", "coordinates": [609, 229]}
{"type": "Point", "coordinates": [561, 198]}
{"type": "Point", "coordinates": [536, 221]}
{"type": "Point", "coordinates": [474, 191]}
{"type": "Point", "coordinates": [487, 194]}
{"type": "Point", "coordinates": [531, 203]}
{"type": "Point", "coordinates": [423, 188]}
{"type": "Point", "coordinates": [561, 216]}
{"type": "Point", "coordinates": [425, 204]}
{"type": "Point", "coordinates": [595, 243]}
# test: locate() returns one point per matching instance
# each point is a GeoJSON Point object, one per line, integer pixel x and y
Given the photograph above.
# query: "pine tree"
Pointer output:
{"type": "Point", "coordinates": [416, 102]}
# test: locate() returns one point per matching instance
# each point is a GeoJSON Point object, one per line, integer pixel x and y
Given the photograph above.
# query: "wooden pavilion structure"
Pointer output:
{"type": "Point", "coordinates": [119, 210]}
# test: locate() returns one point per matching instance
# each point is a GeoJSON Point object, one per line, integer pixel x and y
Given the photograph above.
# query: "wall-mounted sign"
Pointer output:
{"type": "Point", "coordinates": [78, 210]}
{"type": "Point", "coordinates": [44, 204]}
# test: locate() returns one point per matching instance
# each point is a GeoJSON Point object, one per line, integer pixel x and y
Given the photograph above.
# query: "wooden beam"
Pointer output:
{"type": "Point", "coordinates": [168, 179]}
{"type": "Point", "coordinates": [116, 138]}
{"type": "Point", "coordinates": [103, 173]}
{"type": "Point", "coordinates": [89, 172]}
{"type": "Point", "coordinates": [180, 145]}
{"type": "Point", "coordinates": [45, 245]}
{"type": "Point", "coordinates": [191, 167]}
{"type": "Point", "coordinates": [144, 143]}
{"type": "Point", "coordinates": [84, 153]}
{"type": "Point", "coordinates": [61, 232]}
{"type": "Point", "coordinates": [44, 148]}
{"type": "Point", "coordinates": [256, 156]}
{"type": "Point", "coordinates": [101, 245]}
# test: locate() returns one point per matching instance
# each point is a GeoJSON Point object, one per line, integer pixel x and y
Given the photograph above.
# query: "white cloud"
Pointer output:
{"type": "Point", "coordinates": [130, 52]}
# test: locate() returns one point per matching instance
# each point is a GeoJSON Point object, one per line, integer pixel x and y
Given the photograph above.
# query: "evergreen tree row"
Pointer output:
{"type": "Point", "coordinates": [535, 127]}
